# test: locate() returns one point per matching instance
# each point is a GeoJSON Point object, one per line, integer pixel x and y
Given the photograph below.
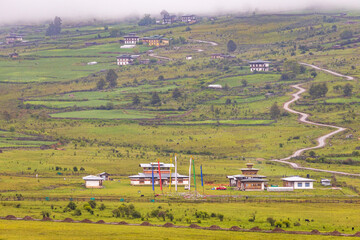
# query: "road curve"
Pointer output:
{"type": "Point", "coordinates": [208, 42]}
{"type": "Point", "coordinates": [303, 118]}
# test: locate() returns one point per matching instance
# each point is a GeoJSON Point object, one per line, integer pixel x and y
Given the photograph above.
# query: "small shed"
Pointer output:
{"type": "Point", "coordinates": [297, 182]}
{"type": "Point", "coordinates": [104, 175]}
{"type": "Point", "coordinates": [92, 181]}
{"type": "Point", "coordinates": [325, 182]}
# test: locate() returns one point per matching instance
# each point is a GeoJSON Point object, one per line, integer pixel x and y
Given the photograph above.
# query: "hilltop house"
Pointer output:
{"type": "Point", "coordinates": [13, 38]}
{"type": "Point", "coordinates": [169, 19]}
{"type": "Point", "coordinates": [259, 65]}
{"type": "Point", "coordinates": [189, 19]}
{"type": "Point", "coordinates": [297, 182]}
{"type": "Point", "coordinates": [92, 181]}
{"type": "Point", "coordinates": [131, 39]}
{"type": "Point", "coordinates": [156, 40]}
{"type": "Point", "coordinates": [124, 59]}
{"type": "Point", "coordinates": [145, 178]}
{"type": "Point", "coordinates": [249, 180]}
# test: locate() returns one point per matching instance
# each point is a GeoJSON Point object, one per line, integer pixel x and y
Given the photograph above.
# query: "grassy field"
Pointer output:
{"type": "Point", "coordinates": [46, 230]}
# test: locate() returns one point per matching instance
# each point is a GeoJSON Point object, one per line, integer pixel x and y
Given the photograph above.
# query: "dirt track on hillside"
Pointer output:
{"type": "Point", "coordinates": [303, 118]}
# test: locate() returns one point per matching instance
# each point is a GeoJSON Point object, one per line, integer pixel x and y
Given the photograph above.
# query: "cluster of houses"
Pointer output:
{"type": "Point", "coordinates": [156, 40]}
{"type": "Point", "coordinates": [171, 19]}
{"type": "Point", "coordinates": [248, 180]}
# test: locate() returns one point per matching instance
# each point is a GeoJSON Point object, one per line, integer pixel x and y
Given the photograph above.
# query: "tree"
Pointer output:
{"type": "Point", "coordinates": [71, 205]}
{"type": "Point", "coordinates": [111, 78]}
{"type": "Point", "coordinates": [155, 99]}
{"type": "Point", "coordinates": [75, 169]}
{"type": "Point", "coordinates": [318, 90]}
{"type": "Point", "coordinates": [161, 77]}
{"type": "Point", "coordinates": [231, 46]}
{"type": "Point", "coordinates": [188, 29]}
{"type": "Point", "coordinates": [348, 90]}
{"type": "Point", "coordinates": [101, 84]}
{"type": "Point", "coordinates": [313, 74]}
{"type": "Point", "coordinates": [346, 34]}
{"type": "Point", "coordinates": [146, 20]}
{"type": "Point", "coordinates": [271, 221]}
{"type": "Point", "coordinates": [54, 27]}
{"type": "Point", "coordinates": [228, 101]}
{"type": "Point", "coordinates": [176, 93]}
{"type": "Point", "coordinates": [164, 13]}
{"type": "Point", "coordinates": [334, 28]}
{"type": "Point", "coordinates": [136, 100]}
{"type": "Point", "coordinates": [244, 83]}
{"type": "Point", "coordinates": [274, 111]}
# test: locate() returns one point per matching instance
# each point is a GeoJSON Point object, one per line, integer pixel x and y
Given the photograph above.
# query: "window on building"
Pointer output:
{"type": "Point", "coordinates": [299, 184]}
{"type": "Point", "coordinates": [307, 184]}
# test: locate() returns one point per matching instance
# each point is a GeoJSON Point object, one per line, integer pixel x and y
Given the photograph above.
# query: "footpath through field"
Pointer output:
{"type": "Point", "coordinates": [303, 118]}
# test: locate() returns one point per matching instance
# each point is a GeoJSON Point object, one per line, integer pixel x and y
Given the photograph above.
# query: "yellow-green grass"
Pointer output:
{"type": "Point", "coordinates": [251, 79]}
{"type": "Point", "coordinates": [112, 114]}
{"type": "Point", "coordinates": [343, 216]}
{"type": "Point", "coordinates": [231, 122]}
{"type": "Point", "coordinates": [45, 230]}
{"type": "Point", "coordinates": [97, 50]}
{"type": "Point", "coordinates": [50, 69]}
{"type": "Point", "coordinates": [65, 104]}
{"type": "Point", "coordinates": [239, 100]}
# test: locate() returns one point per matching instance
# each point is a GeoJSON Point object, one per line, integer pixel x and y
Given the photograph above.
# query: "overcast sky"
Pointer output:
{"type": "Point", "coordinates": [38, 10]}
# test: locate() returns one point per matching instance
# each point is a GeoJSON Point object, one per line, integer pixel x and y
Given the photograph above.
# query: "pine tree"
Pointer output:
{"type": "Point", "coordinates": [231, 46]}
{"type": "Point", "coordinates": [155, 99]}
{"type": "Point", "coordinates": [136, 100]}
{"type": "Point", "coordinates": [111, 78]}
{"type": "Point", "coordinates": [275, 111]}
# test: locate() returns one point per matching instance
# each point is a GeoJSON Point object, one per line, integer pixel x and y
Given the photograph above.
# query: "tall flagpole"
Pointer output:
{"type": "Point", "coordinates": [194, 175]}
{"type": "Point", "coordinates": [160, 176]}
{"type": "Point", "coordinates": [152, 178]}
{"type": "Point", "coordinates": [190, 175]}
{"type": "Point", "coordinates": [176, 181]}
{"type": "Point", "coordinates": [202, 179]}
{"type": "Point", "coordinates": [170, 175]}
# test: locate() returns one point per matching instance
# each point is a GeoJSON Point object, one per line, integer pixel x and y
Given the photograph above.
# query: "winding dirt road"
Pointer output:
{"type": "Point", "coordinates": [303, 118]}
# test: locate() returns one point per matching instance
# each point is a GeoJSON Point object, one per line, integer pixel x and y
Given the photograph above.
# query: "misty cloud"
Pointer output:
{"type": "Point", "coordinates": [40, 10]}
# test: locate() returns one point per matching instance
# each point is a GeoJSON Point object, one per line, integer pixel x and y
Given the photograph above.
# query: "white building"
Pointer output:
{"type": "Point", "coordinates": [131, 39]}
{"type": "Point", "coordinates": [325, 182]}
{"type": "Point", "coordinates": [259, 66]}
{"type": "Point", "coordinates": [92, 181]}
{"type": "Point", "coordinates": [298, 182]}
{"type": "Point", "coordinates": [104, 175]}
{"type": "Point", "coordinates": [188, 57]}
{"type": "Point", "coordinates": [217, 86]}
{"type": "Point", "coordinates": [124, 60]}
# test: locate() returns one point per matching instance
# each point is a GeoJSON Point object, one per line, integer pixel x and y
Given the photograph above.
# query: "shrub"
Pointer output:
{"type": "Point", "coordinates": [278, 224]}
{"type": "Point", "coordinates": [92, 204]}
{"type": "Point", "coordinates": [221, 217]}
{"type": "Point", "coordinates": [45, 214]}
{"type": "Point", "coordinates": [286, 223]}
{"type": "Point", "coordinates": [77, 212]}
{"type": "Point", "coordinates": [271, 221]}
{"type": "Point", "coordinates": [297, 224]}
{"type": "Point", "coordinates": [71, 205]}
{"type": "Point", "coordinates": [102, 207]}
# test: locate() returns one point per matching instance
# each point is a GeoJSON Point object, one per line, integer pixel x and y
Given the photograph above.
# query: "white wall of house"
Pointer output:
{"type": "Point", "coordinates": [92, 184]}
{"type": "Point", "coordinates": [303, 185]}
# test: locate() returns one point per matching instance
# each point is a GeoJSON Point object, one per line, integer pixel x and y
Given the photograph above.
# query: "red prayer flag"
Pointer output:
{"type": "Point", "coordinates": [160, 175]}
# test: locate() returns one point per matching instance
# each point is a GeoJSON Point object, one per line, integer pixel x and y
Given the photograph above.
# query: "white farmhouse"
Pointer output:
{"type": "Point", "coordinates": [297, 182]}
{"type": "Point", "coordinates": [92, 181]}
